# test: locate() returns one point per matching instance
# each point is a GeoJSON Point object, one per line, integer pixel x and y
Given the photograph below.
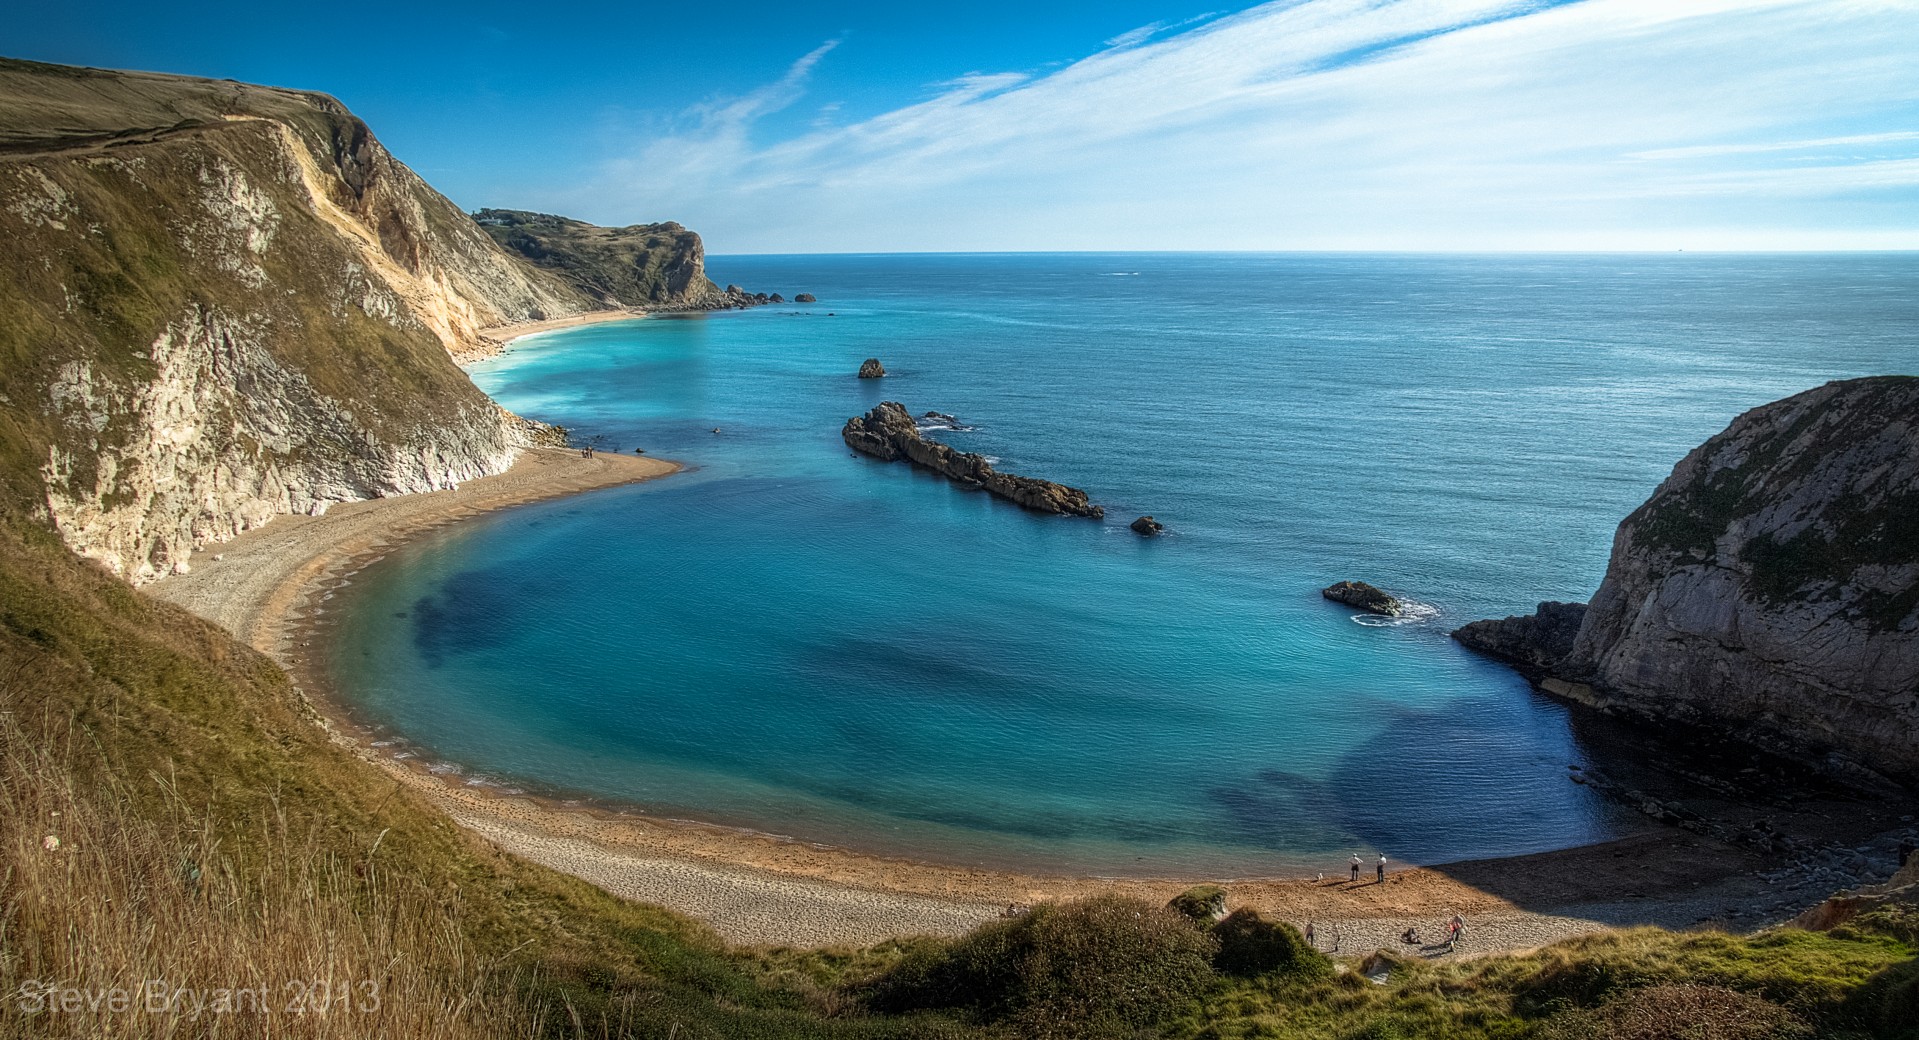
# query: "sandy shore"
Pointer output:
{"type": "Point", "coordinates": [758, 889]}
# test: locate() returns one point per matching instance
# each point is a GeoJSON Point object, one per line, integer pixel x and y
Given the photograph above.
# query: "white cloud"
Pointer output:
{"type": "Point", "coordinates": [1346, 124]}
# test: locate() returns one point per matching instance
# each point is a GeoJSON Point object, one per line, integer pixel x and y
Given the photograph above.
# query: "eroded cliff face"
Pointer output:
{"type": "Point", "coordinates": [1769, 588]}
{"type": "Point", "coordinates": [223, 303]}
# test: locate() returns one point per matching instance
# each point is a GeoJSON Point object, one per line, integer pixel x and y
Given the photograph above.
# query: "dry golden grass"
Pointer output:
{"type": "Point", "coordinates": [150, 929]}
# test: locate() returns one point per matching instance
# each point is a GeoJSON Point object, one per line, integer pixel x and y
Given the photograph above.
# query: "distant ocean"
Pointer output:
{"type": "Point", "coordinates": [846, 651]}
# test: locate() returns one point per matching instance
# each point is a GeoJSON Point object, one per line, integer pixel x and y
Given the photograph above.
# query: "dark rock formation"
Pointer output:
{"type": "Point", "coordinates": [872, 369]}
{"type": "Point", "coordinates": [776, 298]}
{"type": "Point", "coordinates": [1363, 596]}
{"type": "Point", "coordinates": [1535, 642]}
{"type": "Point", "coordinates": [1769, 589]}
{"type": "Point", "coordinates": [888, 432]}
{"type": "Point", "coordinates": [806, 297]}
{"type": "Point", "coordinates": [1147, 526]}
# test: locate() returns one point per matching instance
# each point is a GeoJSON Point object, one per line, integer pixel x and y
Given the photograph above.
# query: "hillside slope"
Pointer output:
{"type": "Point", "coordinates": [1768, 588]}
{"type": "Point", "coordinates": [226, 302]}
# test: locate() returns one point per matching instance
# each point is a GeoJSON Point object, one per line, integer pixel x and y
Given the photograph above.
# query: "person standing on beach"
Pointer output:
{"type": "Point", "coordinates": [1382, 868]}
{"type": "Point", "coordinates": [1355, 866]}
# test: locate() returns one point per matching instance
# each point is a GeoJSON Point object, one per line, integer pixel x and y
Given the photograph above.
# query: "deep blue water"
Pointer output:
{"type": "Point", "coordinates": [794, 640]}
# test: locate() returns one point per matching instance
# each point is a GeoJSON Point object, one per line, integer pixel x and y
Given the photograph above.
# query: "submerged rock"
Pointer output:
{"type": "Point", "coordinates": [888, 432]}
{"type": "Point", "coordinates": [1362, 596]}
{"type": "Point", "coordinates": [872, 369]}
{"type": "Point", "coordinates": [1147, 526]}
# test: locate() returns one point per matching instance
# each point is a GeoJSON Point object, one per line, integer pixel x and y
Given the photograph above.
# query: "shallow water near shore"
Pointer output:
{"type": "Point", "coordinates": [845, 651]}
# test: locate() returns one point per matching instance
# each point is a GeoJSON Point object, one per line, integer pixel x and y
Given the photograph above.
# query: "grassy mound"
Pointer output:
{"type": "Point", "coordinates": [1105, 966]}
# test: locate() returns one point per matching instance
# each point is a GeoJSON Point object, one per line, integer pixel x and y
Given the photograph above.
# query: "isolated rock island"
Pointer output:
{"type": "Point", "coordinates": [888, 432]}
{"type": "Point", "coordinates": [1768, 589]}
{"type": "Point", "coordinates": [1362, 596]}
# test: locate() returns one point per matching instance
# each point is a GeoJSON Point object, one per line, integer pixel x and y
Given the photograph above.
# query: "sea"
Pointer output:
{"type": "Point", "coordinates": [790, 639]}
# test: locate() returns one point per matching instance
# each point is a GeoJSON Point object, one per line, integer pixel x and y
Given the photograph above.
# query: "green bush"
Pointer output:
{"type": "Point", "coordinates": [1104, 966]}
{"type": "Point", "coordinates": [1202, 903]}
{"type": "Point", "coordinates": [1250, 946]}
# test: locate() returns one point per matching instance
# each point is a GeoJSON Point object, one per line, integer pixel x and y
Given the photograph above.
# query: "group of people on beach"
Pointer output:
{"type": "Point", "coordinates": [1379, 868]}
{"type": "Point", "coordinates": [1455, 930]}
{"type": "Point", "coordinates": [586, 452]}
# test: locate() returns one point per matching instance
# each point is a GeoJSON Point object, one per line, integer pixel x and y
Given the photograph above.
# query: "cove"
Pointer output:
{"type": "Point", "coordinates": [797, 641]}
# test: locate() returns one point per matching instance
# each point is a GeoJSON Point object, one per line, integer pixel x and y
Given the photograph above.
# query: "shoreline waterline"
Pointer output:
{"type": "Point", "coordinates": [764, 889]}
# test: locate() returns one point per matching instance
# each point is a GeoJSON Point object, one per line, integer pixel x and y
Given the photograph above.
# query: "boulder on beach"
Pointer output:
{"type": "Point", "coordinates": [806, 297]}
{"type": "Point", "coordinates": [1147, 526]}
{"type": "Point", "coordinates": [1363, 596]}
{"type": "Point", "coordinates": [872, 369]}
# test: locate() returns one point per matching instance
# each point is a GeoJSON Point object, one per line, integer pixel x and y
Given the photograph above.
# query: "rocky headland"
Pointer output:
{"type": "Point", "coordinates": [1769, 589]}
{"type": "Point", "coordinates": [888, 432]}
{"type": "Point", "coordinates": [642, 267]}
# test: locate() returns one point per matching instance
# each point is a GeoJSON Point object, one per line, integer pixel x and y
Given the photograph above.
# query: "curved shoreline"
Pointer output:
{"type": "Point", "coordinates": [760, 889]}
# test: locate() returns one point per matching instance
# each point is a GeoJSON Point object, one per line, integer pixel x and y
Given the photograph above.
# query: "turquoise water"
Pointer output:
{"type": "Point", "coordinates": [846, 651]}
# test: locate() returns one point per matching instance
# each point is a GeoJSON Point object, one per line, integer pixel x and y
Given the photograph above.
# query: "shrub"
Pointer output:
{"type": "Point", "coordinates": [1203, 903]}
{"type": "Point", "coordinates": [1100, 967]}
{"type": "Point", "coordinates": [1250, 946]}
{"type": "Point", "coordinates": [1680, 1013]}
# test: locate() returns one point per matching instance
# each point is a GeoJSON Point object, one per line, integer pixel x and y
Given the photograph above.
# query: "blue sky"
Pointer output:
{"type": "Point", "coordinates": [1300, 124]}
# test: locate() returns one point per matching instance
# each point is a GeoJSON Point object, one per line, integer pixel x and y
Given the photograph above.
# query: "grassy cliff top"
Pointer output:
{"type": "Point", "coordinates": [56, 107]}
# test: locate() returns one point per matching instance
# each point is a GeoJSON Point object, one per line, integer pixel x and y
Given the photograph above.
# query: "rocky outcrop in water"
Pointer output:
{"type": "Point", "coordinates": [1535, 642]}
{"type": "Point", "coordinates": [1147, 526]}
{"type": "Point", "coordinates": [872, 369]}
{"type": "Point", "coordinates": [888, 432]}
{"type": "Point", "coordinates": [806, 297]}
{"type": "Point", "coordinates": [1769, 588]}
{"type": "Point", "coordinates": [1361, 596]}
{"type": "Point", "coordinates": [228, 302]}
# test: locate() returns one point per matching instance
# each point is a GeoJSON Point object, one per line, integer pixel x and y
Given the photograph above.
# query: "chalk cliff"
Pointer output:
{"type": "Point", "coordinates": [225, 302]}
{"type": "Point", "coordinates": [1768, 588]}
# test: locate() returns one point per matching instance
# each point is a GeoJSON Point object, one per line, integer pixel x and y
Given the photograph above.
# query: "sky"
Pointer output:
{"type": "Point", "coordinates": [1002, 126]}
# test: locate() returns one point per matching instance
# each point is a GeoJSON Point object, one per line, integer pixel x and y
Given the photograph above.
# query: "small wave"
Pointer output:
{"type": "Point", "coordinates": [1411, 612]}
{"type": "Point", "coordinates": [445, 769]}
{"type": "Point", "coordinates": [1119, 274]}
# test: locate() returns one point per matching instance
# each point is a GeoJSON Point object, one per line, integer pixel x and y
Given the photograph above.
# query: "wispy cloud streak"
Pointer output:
{"type": "Point", "coordinates": [1349, 123]}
